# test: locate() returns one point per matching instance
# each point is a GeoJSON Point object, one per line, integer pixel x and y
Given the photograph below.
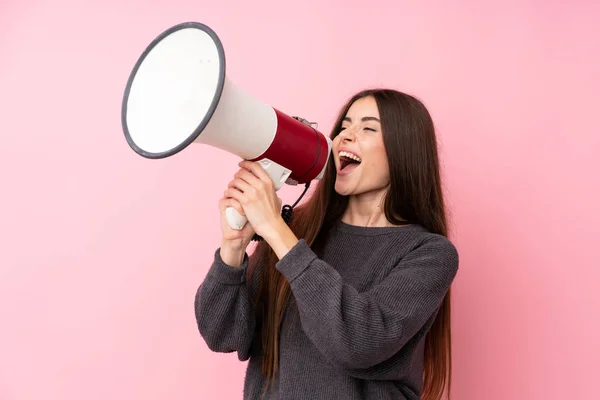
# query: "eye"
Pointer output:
{"type": "Point", "coordinates": [370, 129]}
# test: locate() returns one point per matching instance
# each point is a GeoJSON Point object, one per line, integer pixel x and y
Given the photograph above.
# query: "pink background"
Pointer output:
{"type": "Point", "coordinates": [102, 250]}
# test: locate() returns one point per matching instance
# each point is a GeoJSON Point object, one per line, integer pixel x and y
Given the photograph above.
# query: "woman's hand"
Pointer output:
{"type": "Point", "coordinates": [254, 191]}
{"type": "Point", "coordinates": [234, 242]}
{"type": "Point", "coordinates": [233, 239]}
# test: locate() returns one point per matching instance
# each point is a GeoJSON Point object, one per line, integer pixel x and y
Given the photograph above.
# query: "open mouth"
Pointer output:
{"type": "Point", "coordinates": [348, 160]}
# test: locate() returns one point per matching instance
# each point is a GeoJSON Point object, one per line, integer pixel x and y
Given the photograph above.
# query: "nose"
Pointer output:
{"type": "Point", "coordinates": [348, 134]}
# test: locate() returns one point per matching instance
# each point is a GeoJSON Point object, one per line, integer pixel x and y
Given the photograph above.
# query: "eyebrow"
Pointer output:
{"type": "Point", "coordinates": [363, 119]}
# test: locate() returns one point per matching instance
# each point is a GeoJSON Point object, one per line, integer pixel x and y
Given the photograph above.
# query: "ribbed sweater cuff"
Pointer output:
{"type": "Point", "coordinates": [296, 260]}
{"type": "Point", "coordinates": [226, 274]}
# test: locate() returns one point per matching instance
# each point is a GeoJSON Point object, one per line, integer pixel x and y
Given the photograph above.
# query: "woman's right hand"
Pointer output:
{"type": "Point", "coordinates": [234, 242]}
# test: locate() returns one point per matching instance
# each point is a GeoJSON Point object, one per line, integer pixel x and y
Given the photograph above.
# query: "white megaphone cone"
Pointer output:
{"type": "Point", "coordinates": [178, 93]}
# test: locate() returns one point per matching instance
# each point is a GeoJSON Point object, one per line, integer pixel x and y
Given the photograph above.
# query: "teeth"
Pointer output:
{"type": "Point", "coordinates": [349, 155]}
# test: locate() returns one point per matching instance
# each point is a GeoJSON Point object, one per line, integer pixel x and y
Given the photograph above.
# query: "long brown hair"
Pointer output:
{"type": "Point", "coordinates": [415, 196]}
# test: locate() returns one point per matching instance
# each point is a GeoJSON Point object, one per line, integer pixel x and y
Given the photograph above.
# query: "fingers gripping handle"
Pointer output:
{"type": "Point", "coordinates": [278, 175]}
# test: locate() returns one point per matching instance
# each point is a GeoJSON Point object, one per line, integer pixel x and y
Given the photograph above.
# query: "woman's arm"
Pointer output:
{"type": "Point", "coordinates": [360, 330]}
{"type": "Point", "coordinates": [223, 307]}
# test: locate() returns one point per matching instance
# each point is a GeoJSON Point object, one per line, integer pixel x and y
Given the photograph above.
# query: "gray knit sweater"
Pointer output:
{"type": "Point", "coordinates": [356, 325]}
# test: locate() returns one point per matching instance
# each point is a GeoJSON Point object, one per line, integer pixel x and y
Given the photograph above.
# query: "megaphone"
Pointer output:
{"type": "Point", "coordinates": [178, 93]}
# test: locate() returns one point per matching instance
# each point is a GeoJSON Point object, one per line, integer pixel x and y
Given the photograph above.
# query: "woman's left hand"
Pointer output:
{"type": "Point", "coordinates": [255, 191]}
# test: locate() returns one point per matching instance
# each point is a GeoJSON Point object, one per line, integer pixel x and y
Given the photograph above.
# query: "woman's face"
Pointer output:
{"type": "Point", "coordinates": [359, 153]}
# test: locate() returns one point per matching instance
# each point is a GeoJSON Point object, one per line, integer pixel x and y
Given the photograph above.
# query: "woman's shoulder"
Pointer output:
{"type": "Point", "coordinates": [432, 239]}
{"type": "Point", "coordinates": [433, 248]}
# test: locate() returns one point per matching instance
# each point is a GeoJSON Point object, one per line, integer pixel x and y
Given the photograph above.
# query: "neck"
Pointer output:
{"type": "Point", "coordinates": [366, 209]}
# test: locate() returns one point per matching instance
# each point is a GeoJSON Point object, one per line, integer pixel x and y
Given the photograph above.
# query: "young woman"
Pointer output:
{"type": "Point", "coordinates": [351, 300]}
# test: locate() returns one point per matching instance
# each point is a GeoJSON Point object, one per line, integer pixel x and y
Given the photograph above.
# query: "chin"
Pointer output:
{"type": "Point", "coordinates": [343, 190]}
{"type": "Point", "coordinates": [342, 193]}
{"type": "Point", "coordinates": [340, 190]}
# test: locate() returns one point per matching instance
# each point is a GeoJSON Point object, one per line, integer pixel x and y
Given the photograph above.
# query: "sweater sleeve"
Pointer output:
{"type": "Point", "coordinates": [360, 330]}
{"type": "Point", "coordinates": [224, 311]}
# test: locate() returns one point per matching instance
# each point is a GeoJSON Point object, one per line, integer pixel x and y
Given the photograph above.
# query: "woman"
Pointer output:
{"type": "Point", "coordinates": [352, 299]}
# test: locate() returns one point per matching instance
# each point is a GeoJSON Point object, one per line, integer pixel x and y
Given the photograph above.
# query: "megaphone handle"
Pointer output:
{"type": "Point", "coordinates": [278, 175]}
{"type": "Point", "coordinates": [235, 219]}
